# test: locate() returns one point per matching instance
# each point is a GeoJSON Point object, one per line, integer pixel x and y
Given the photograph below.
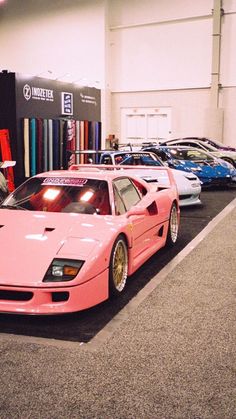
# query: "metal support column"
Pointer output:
{"type": "Point", "coordinates": [216, 44]}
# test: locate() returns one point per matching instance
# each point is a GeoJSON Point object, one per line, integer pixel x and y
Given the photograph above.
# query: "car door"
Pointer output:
{"type": "Point", "coordinates": [144, 227]}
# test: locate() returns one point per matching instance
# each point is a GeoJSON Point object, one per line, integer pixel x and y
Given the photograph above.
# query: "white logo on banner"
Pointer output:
{"type": "Point", "coordinates": [37, 93]}
{"type": "Point", "coordinates": [27, 92]}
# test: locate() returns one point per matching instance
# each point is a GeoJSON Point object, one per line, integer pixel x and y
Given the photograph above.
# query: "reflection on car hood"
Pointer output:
{"type": "Point", "coordinates": [30, 240]}
{"type": "Point", "coordinates": [209, 169]}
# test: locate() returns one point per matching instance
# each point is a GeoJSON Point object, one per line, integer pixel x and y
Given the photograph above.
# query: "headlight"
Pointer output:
{"type": "Point", "coordinates": [190, 176]}
{"type": "Point", "coordinates": [226, 163]}
{"type": "Point", "coordinates": [196, 169]}
{"type": "Point", "coordinates": [63, 270]}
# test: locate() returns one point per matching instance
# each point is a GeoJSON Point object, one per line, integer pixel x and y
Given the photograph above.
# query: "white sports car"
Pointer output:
{"type": "Point", "coordinates": [188, 184]}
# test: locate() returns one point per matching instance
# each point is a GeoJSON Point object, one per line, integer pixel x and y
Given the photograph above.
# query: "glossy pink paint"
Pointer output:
{"type": "Point", "coordinates": [30, 240]}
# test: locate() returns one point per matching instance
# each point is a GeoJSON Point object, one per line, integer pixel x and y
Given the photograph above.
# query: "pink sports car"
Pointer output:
{"type": "Point", "coordinates": [69, 239]}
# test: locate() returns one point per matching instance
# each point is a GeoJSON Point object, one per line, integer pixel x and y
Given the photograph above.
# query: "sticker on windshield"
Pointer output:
{"type": "Point", "coordinates": [65, 181]}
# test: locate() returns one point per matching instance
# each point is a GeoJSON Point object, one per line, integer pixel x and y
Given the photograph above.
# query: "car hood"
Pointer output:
{"type": "Point", "coordinates": [206, 169]}
{"type": "Point", "coordinates": [30, 240]}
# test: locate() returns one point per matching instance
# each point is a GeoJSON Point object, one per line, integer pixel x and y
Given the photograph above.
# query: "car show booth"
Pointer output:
{"type": "Point", "coordinates": [45, 118]}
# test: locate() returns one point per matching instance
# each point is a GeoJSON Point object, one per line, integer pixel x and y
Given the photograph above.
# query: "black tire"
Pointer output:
{"type": "Point", "coordinates": [173, 228]}
{"type": "Point", "coordinates": [118, 268]}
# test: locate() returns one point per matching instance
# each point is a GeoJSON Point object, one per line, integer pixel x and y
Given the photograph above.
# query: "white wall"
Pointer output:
{"type": "Point", "coordinates": [160, 51]}
{"type": "Point", "coordinates": [161, 44]}
{"type": "Point", "coordinates": [189, 109]}
{"type": "Point", "coordinates": [161, 56]}
{"type": "Point", "coordinates": [130, 12]}
{"type": "Point", "coordinates": [150, 53]}
{"type": "Point", "coordinates": [60, 36]}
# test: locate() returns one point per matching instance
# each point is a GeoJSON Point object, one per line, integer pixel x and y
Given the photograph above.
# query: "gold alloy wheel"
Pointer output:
{"type": "Point", "coordinates": [120, 265]}
{"type": "Point", "coordinates": [174, 225]}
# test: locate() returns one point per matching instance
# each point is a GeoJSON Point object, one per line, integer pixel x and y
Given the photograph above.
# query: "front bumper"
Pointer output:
{"type": "Point", "coordinates": [190, 199]}
{"type": "Point", "coordinates": [54, 300]}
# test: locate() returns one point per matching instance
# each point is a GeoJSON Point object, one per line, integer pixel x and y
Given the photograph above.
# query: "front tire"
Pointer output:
{"type": "Point", "coordinates": [118, 268]}
{"type": "Point", "coordinates": [173, 228]}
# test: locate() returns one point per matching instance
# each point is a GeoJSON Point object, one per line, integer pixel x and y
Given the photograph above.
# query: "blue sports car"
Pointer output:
{"type": "Point", "coordinates": [209, 169]}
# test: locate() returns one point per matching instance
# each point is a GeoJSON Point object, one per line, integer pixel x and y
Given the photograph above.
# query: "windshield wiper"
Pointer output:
{"type": "Point", "coordinates": [14, 207]}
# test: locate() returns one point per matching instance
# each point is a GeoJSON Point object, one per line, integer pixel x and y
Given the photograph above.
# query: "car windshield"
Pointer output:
{"type": "Point", "coordinates": [137, 159]}
{"type": "Point", "coordinates": [215, 143]}
{"type": "Point", "coordinates": [185, 154]}
{"type": "Point", "coordinates": [61, 194]}
{"type": "Point", "coordinates": [209, 147]}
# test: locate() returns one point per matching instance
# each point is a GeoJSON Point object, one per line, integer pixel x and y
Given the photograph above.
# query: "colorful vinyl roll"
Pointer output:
{"type": "Point", "coordinates": [56, 144]}
{"type": "Point", "coordinates": [61, 144]}
{"type": "Point", "coordinates": [45, 145]}
{"type": "Point", "coordinates": [39, 145]}
{"type": "Point", "coordinates": [33, 163]}
{"type": "Point", "coordinates": [82, 140]}
{"type": "Point", "coordinates": [86, 144]}
{"type": "Point", "coordinates": [26, 147]}
{"type": "Point", "coordinates": [97, 142]}
{"type": "Point", "coordinates": [50, 144]}
{"type": "Point", "coordinates": [77, 144]}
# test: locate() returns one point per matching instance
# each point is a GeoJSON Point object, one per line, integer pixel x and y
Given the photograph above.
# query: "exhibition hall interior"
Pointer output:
{"type": "Point", "coordinates": [117, 209]}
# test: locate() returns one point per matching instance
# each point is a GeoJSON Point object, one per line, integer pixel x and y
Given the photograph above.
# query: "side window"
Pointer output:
{"type": "Point", "coordinates": [186, 144]}
{"type": "Point", "coordinates": [127, 192]}
{"type": "Point", "coordinates": [194, 145]}
{"type": "Point", "coordinates": [106, 159]}
{"type": "Point", "coordinates": [162, 155]}
{"type": "Point", "coordinates": [119, 204]}
{"type": "Point", "coordinates": [197, 155]}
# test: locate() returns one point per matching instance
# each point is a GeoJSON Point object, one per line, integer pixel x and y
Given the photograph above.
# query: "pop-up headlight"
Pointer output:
{"type": "Point", "coordinates": [63, 270]}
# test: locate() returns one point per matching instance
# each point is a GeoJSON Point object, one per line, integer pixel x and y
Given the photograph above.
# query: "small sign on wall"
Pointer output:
{"type": "Point", "coordinates": [66, 103]}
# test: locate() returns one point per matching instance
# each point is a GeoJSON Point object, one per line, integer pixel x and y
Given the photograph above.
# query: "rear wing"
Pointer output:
{"type": "Point", "coordinates": [161, 176]}
{"type": "Point", "coordinates": [122, 147]}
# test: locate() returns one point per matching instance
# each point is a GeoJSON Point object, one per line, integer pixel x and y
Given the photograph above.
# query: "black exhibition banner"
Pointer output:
{"type": "Point", "coordinates": [46, 98]}
{"type": "Point", "coordinates": [36, 109]}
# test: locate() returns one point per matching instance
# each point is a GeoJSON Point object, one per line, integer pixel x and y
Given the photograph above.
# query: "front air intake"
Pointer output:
{"type": "Point", "coordinates": [60, 296]}
{"type": "Point", "coordinates": [15, 295]}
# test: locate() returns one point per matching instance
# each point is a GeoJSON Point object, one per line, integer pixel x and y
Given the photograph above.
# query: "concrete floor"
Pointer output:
{"type": "Point", "coordinates": [169, 354]}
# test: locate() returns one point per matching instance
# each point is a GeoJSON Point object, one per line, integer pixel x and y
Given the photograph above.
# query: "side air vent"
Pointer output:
{"type": "Point", "coordinates": [160, 232]}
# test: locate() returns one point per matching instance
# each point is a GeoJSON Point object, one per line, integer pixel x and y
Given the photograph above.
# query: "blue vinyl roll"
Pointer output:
{"type": "Point", "coordinates": [32, 147]}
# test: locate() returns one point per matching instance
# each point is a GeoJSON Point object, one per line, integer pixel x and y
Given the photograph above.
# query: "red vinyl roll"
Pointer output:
{"type": "Point", "coordinates": [86, 139]}
{"type": "Point", "coordinates": [6, 155]}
